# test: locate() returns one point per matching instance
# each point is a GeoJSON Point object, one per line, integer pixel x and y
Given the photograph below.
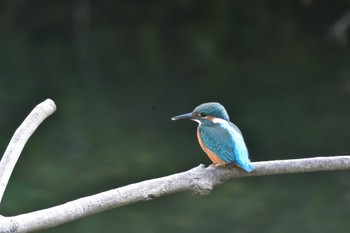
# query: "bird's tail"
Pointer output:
{"type": "Point", "coordinates": [246, 165]}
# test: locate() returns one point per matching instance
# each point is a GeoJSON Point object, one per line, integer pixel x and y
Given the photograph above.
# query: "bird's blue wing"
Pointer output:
{"type": "Point", "coordinates": [235, 127]}
{"type": "Point", "coordinates": [227, 142]}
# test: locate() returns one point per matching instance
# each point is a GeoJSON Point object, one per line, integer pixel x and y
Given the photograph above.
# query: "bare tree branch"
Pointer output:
{"type": "Point", "coordinates": [199, 180]}
{"type": "Point", "coordinates": [20, 138]}
{"type": "Point", "coordinates": [339, 30]}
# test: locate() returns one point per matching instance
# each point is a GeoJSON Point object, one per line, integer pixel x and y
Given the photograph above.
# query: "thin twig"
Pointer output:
{"type": "Point", "coordinates": [19, 139]}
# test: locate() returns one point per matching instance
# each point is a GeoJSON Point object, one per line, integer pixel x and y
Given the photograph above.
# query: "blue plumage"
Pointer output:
{"type": "Point", "coordinates": [225, 140]}
{"type": "Point", "coordinates": [219, 138]}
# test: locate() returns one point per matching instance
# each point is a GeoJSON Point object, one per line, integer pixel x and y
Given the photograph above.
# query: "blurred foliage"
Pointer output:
{"type": "Point", "coordinates": [118, 70]}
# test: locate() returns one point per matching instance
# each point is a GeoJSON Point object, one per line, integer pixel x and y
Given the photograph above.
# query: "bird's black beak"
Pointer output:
{"type": "Point", "coordinates": [187, 116]}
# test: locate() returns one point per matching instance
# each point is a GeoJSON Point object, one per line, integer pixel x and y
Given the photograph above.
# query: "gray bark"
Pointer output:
{"type": "Point", "coordinates": [199, 180]}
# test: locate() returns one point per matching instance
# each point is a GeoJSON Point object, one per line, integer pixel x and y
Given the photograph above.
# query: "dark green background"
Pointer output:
{"type": "Point", "coordinates": [119, 70]}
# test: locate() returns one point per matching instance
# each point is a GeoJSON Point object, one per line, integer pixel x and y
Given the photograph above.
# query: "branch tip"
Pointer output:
{"type": "Point", "coordinates": [20, 138]}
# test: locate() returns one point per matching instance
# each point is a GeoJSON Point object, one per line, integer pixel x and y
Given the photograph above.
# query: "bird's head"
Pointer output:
{"type": "Point", "coordinates": [205, 111]}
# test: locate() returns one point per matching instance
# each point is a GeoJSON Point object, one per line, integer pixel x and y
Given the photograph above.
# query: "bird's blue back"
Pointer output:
{"type": "Point", "coordinates": [225, 140]}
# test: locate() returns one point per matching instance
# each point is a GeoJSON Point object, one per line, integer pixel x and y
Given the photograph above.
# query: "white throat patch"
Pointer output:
{"type": "Point", "coordinates": [219, 120]}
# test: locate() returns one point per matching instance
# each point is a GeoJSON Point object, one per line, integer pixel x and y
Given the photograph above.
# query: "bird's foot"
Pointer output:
{"type": "Point", "coordinates": [219, 165]}
{"type": "Point", "coordinates": [229, 165]}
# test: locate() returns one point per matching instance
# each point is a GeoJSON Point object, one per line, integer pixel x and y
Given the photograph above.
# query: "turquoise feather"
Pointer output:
{"type": "Point", "coordinates": [218, 136]}
{"type": "Point", "coordinates": [226, 141]}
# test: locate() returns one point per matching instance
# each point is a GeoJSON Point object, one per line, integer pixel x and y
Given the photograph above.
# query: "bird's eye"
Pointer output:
{"type": "Point", "coordinates": [201, 114]}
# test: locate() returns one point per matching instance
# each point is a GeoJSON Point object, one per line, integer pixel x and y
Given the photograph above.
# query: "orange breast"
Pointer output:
{"type": "Point", "coordinates": [213, 157]}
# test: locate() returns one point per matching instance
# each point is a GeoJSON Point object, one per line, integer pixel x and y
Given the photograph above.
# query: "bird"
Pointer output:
{"type": "Point", "coordinates": [219, 138]}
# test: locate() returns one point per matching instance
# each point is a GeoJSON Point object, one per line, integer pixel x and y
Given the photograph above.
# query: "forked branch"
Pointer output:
{"type": "Point", "coordinates": [199, 180]}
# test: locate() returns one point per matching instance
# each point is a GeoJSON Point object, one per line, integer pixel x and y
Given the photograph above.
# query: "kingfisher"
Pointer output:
{"type": "Point", "coordinates": [220, 139]}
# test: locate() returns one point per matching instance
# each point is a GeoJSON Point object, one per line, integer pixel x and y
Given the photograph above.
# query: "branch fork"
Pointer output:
{"type": "Point", "coordinates": [199, 180]}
